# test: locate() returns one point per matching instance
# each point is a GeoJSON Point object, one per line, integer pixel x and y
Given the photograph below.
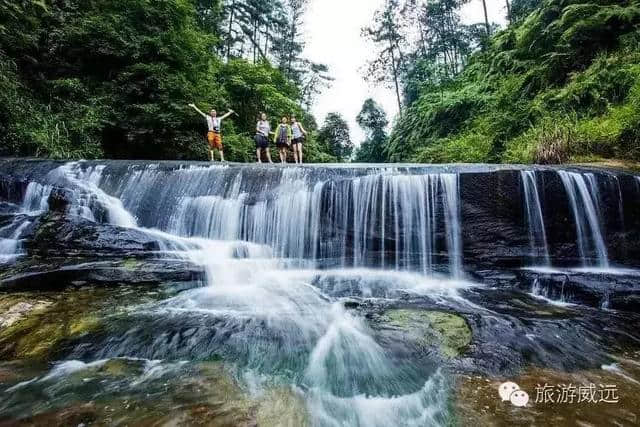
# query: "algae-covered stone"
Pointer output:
{"type": "Point", "coordinates": [14, 311]}
{"type": "Point", "coordinates": [449, 331]}
{"type": "Point", "coordinates": [282, 407]}
{"type": "Point", "coordinates": [36, 326]}
{"type": "Point", "coordinates": [84, 325]}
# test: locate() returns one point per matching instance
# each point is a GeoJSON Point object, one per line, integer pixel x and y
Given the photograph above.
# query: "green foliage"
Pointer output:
{"type": "Point", "coordinates": [334, 136]}
{"type": "Point", "coordinates": [373, 120]}
{"type": "Point", "coordinates": [85, 79]}
{"type": "Point", "coordinates": [560, 84]}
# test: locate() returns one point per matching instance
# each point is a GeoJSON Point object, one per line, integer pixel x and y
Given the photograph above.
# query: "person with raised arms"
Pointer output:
{"type": "Point", "coordinates": [298, 134]}
{"type": "Point", "coordinates": [263, 129]}
{"type": "Point", "coordinates": [214, 135]}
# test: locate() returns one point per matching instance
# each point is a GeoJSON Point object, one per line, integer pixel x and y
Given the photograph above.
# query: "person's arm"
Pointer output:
{"type": "Point", "coordinates": [289, 134]}
{"type": "Point", "coordinates": [198, 110]}
{"type": "Point", "coordinates": [258, 127]}
{"type": "Point", "coordinates": [302, 129]}
{"type": "Point", "coordinates": [230, 112]}
{"type": "Point", "coordinates": [275, 134]}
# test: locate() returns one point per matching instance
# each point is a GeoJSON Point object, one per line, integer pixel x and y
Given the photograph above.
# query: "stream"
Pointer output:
{"type": "Point", "coordinates": [145, 293]}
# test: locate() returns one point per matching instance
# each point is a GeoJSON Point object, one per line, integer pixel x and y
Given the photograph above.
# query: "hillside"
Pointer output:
{"type": "Point", "coordinates": [561, 85]}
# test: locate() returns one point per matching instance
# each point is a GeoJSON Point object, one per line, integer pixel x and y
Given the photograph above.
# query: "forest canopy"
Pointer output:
{"type": "Point", "coordinates": [560, 83]}
{"type": "Point", "coordinates": [112, 78]}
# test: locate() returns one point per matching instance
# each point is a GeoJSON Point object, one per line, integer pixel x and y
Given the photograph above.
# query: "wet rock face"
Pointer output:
{"type": "Point", "coordinates": [495, 229]}
{"type": "Point", "coordinates": [65, 250]}
{"type": "Point", "coordinates": [60, 235]}
{"type": "Point", "coordinates": [446, 333]}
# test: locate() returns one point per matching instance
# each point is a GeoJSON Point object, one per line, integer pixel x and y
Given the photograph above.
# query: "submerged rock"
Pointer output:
{"type": "Point", "coordinates": [282, 407]}
{"type": "Point", "coordinates": [476, 400]}
{"type": "Point", "coordinates": [14, 310]}
{"type": "Point", "coordinates": [40, 326]}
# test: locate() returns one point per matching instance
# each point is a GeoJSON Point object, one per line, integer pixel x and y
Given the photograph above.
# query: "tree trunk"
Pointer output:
{"type": "Point", "coordinates": [486, 17]}
{"type": "Point", "coordinates": [292, 40]}
{"type": "Point", "coordinates": [230, 37]}
{"type": "Point", "coordinates": [509, 12]}
{"type": "Point", "coordinates": [423, 42]}
{"type": "Point", "coordinates": [266, 39]}
{"type": "Point", "coordinates": [255, 37]}
{"type": "Point", "coordinates": [395, 79]}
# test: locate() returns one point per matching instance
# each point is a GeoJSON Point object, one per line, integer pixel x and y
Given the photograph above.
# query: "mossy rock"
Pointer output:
{"type": "Point", "coordinates": [282, 407]}
{"type": "Point", "coordinates": [39, 331]}
{"type": "Point", "coordinates": [449, 331]}
{"type": "Point", "coordinates": [131, 264]}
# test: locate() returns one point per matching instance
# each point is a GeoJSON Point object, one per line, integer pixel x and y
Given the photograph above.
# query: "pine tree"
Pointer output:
{"type": "Point", "coordinates": [387, 36]}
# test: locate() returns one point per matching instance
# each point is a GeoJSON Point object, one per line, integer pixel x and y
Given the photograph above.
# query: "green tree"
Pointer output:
{"type": "Point", "coordinates": [521, 8]}
{"type": "Point", "coordinates": [334, 135]}
{"type": "Point", "coordinates": [386, 34]}
{"type": "Point", "coordinates": [113, 77]}
{"type": "Point", "coordinates": [373, 120]}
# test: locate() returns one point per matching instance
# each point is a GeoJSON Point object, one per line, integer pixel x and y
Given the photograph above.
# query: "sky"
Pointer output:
{"type": "Point", "coordinates": [333, 38]}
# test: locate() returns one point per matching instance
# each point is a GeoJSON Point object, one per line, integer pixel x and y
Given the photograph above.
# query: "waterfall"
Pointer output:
{"type": "Point", "coordinates": [381, 218]}
{"type": "Point", "coordinates": [34, 202]}
{"type": "Point", "coordinates": [583, 199]}
{"type": "Point", "coordinates": [325, 281]}
{"type": "Point", "coordinates": [535, 220]}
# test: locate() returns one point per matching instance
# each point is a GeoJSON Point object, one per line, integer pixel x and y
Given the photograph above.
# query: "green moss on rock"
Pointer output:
{"type": "Point", "coordinates": [449, 331]}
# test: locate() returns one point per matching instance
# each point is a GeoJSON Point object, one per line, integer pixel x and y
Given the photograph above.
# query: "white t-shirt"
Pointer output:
{"type": "Point", "coordinates": [264, 128]}
{"type": "Point", "coordinates": [214, 124]}
{"type": "Point", "coordinates": [297, 132]}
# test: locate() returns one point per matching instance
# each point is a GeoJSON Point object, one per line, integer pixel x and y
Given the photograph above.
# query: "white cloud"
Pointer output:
{"type": "Point", "coordinates": [333, 37]}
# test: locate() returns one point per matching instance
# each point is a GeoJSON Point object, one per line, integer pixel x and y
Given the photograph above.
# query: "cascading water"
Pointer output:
{"type": "Point", "coordinates": [583, 199]}
{"type": "Point", "coordinates": [271, 309]}
{"type": "Point", "coordinates": [302, 266]}
{"type": "Point", "coordinates": [535, 219]}
{"type": "Point", "coordinates": [34, 202]}
{"type": "Point", "coordinates": [382, 219]}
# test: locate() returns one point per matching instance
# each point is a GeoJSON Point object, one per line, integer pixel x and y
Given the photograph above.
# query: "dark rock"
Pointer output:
{"type": "Point", "coordinates": [59, 200]}
{"type": "Point", "coordinates": [61, 235]}
{"type": "Point", "coordinates": [601, 290]}
{"type": "Point", "coordinates": [56, 273]}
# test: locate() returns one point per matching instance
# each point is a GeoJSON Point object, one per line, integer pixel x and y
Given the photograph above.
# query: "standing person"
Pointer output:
{"type": "Point", "coordinates": [214, 136]}
{"type": "Point", "coordinates": [282, 139]}
{"type": "Point", "coordinates": [299, 134]}
{"type": "Point", "coordinates": [263, 129]}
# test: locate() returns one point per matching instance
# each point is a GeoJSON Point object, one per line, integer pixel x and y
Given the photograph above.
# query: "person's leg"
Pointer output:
{"type": "Point", "coordinates": [219, 146]}
{"type": "Point", "coordinates": [211, 140]}
{"type": "Point", "coordinates": [299, 147]}
{"type": "Point", "coordinates": [283, 155]}
{"type": "Point", "coordinates": [295, 153]}
{"type": "Point", "coordinates": [258, 155]}
{"type": "Point", "coordinates": [268, 154]}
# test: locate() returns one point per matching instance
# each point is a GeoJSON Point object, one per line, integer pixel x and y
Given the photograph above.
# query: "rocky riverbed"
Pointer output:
{"type": "Point", "coordinates": [123, 310]}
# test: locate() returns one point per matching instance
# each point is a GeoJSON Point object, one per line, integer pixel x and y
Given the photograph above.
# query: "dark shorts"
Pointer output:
{"type": "Point", "coordinates": [298, 141]}
{"type": "Point", "coordinates": [261, 141]}
{"type": "Point", "coordinates": [282, 143]}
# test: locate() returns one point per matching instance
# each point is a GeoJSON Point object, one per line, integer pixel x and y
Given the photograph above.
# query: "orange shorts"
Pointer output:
{"type": "Point", "coordinates": [215, 140]}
